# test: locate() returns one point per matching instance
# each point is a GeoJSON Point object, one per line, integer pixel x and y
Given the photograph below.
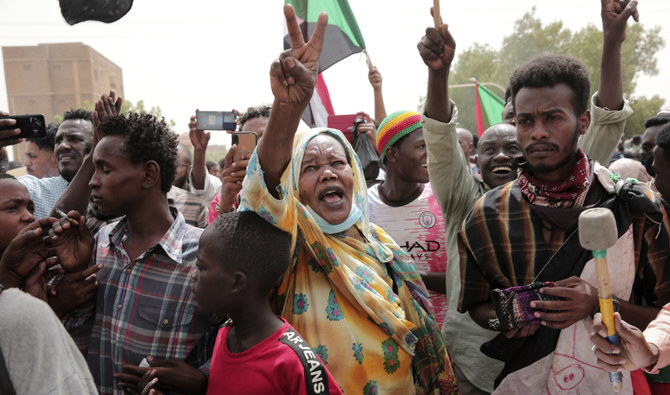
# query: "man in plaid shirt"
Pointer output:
{"type": "Point", "coordinates": [143, 306]}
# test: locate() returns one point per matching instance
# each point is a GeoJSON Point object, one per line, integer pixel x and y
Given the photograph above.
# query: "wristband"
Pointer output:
{"type": "Point", "coordinates": [218, 209]}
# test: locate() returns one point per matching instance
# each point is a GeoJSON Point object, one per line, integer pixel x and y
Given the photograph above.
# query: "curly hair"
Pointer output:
{"type": "Point", "coordinates": [48, 142]}
{"type": "Point", "coordinates": [254, 112]}
{"type": "Point", "coordinates": [659, 119]}
{"type": "Point", "coordinates": [146, 138]}
{"type": "Point", "coordinates": [79, 113]}
{"type": "Point", "coordinates": [663, 140]}
{"type": "Point", "coordinates": [550, 70]}
{"type": "Point", "coordinates": [248, 243]}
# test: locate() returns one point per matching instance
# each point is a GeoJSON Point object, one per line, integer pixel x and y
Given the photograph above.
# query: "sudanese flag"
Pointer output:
{"type": "Point", "coordinates": [492, 104]}
{"type": "Point", "coordinates": [343, 38]}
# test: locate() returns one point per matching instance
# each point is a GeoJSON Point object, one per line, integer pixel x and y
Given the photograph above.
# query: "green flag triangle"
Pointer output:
{"type": "Point", "coordinates": [343, 37]}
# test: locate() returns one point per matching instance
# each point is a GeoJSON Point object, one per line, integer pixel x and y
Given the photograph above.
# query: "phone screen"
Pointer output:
{"type": "Point", "coordinates": [246, 143]}
{"type": "Point", "coordinates": [229, 117]}
{"type": "Point", "coordinates": [216, 120]}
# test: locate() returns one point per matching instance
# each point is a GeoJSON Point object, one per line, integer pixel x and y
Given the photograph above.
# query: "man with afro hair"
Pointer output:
{"type": "Point", "coordinates": [526, 231]}
{"type": "Point", "coordinates": [143, 307]}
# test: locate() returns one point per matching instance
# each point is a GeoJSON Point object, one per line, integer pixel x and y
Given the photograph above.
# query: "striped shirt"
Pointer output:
{"type": "Point", "coordinates": [44, 192]}
{"type": "Point", "coordinates": [501, 245]}
{"type": "Point", "coordinates": [143, 307]}
{"type": "Point", "coordinates": [190, 205]}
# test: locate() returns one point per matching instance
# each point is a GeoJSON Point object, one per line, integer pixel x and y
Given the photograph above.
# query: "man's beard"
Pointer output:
{"type": "Point", "coordinates": [181, 182]}
{"type": "Point", "coordinates": [68, 174]}
{"type": "Point", "coordinates": [544, 169]}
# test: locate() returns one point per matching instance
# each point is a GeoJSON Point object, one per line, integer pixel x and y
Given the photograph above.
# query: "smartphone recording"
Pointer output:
{"type": "Point", "coordinates": [31, 125]}
{"type": "Point", "coordinates": [246, 143]}
{"type": "Point", "coordinates": [216, 120]}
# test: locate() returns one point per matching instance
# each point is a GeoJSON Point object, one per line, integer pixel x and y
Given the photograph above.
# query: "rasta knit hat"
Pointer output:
{"type": "Point", "coordinates": [394, 127]}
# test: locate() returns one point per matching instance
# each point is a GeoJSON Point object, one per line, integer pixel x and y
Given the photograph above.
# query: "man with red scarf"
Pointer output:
{"type": "Point", "coordinates": [498, 152]}
{"type": "Point", "coordinates": [526, 231]}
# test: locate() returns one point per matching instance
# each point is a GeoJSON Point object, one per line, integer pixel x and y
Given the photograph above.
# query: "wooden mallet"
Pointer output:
{"type": "Point", "coordinates": [598, 232]}
{"type": "Point", "coordinates": [437, 18]}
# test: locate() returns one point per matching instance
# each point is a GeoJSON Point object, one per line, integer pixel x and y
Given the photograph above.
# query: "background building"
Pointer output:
{"type": "Point", "coordinates": [53, 78]}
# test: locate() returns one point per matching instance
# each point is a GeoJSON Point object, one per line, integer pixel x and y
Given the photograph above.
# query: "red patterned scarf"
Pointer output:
{"type": "Point", "coordinates": [570, 192]}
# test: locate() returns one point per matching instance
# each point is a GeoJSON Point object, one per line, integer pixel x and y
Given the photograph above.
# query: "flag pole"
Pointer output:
{"type": "Point", "coordinates": [436, 14]}
{"type": "Point", "coordinates": [367, 59]}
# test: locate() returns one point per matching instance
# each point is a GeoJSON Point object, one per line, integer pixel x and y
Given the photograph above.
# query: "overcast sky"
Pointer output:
{"type": "Point", "coordinates": [215, 55]}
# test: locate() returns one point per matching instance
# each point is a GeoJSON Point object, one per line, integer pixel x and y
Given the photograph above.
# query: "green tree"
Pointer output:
{"type": "Point", "coordinates": [139, 107]}
{"type": "Point", "coordinates": [644, 108]}
{"type": "Point", "coordinates": [125, 107]}
{"type": "Point", "coordinates": [530, 38]}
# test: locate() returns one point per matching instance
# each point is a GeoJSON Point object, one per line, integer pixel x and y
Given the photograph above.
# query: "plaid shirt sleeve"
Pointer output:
{"type": "Point", "coordinates": [78, 323]}
{"type": "Point", "coordinates": [145, 307]}
{"type": "Point", "coordinates": [475, 287]}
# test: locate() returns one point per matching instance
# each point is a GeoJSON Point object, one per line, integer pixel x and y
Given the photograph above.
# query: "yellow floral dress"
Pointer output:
{"type": "Point", "coordinates": [361, 305]}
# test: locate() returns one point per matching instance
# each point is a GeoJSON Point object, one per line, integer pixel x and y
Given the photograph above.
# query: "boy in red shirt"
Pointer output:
{"type": "Point", "coordinates": [240, 258]}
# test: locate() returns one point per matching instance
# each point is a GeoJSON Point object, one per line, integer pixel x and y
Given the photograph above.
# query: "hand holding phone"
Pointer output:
{"type": "Point", "coordinates": [9, 133]}
{"type": "Point", "coordinates": [31, 126]}
{"type": "Point", "coordinates": [246, 143]}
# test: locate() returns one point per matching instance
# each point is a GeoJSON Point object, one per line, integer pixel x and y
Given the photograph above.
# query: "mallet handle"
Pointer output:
{"type": "Point", "coordinates": [607, 309]}
{"type": "Point", "coordinates": [437, 18]}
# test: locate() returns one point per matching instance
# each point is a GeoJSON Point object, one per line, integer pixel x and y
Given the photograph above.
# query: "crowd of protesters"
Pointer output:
{"type": "Point", "coordinates": [131, 264]}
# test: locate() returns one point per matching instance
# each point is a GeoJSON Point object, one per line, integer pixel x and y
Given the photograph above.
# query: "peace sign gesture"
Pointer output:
{"type": "Point", "coordinates": [293, 75]}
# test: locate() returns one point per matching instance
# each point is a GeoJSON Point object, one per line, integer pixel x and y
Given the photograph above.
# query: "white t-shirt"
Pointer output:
{"type": "Point", "coordinates": [40, 355]}
{"type": "Point", "coordinates": [418, 228]}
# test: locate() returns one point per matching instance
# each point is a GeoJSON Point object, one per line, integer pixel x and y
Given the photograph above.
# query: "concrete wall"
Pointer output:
{"type": "Point", "coordinates": [53, 78]}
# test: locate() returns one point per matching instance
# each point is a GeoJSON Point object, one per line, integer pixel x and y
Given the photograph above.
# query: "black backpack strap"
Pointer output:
{"type": "Point", "coordinates": [6, 387]}
{"type": "Point", "coordinates": [316, 376]}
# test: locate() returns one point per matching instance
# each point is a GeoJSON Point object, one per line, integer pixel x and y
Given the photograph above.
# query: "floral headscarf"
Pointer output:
{"type": "Point", "coordinates": [378, 279]}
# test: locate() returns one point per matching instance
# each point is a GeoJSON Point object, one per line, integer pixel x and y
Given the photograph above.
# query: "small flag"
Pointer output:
{"type": "Point", "coordinates": [316, 114]}
{"type": "Point", "coordinates": [343, 38]}
{"type": "Point", "coordinates": [493, 107]}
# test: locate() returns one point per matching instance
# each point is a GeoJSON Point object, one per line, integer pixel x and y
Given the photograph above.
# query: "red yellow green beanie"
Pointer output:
{"type": "Point", "coordinates": [394, 127]}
